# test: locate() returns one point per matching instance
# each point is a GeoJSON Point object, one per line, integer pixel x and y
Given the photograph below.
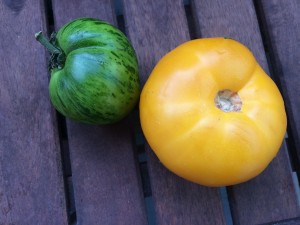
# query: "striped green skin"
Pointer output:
{"type": "Point", "coordinates": [99, 82]}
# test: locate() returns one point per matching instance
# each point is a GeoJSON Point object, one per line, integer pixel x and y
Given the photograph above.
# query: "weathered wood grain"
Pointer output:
{"type": "Point", "coordinates": [294, 221]}
{"type": "Point", "coordinates": [68, 10]}
{"type": "Point", "coordinates": [155, 27]}
{"type": "Point", "coordinates": [270, 196]}
{"type": "Point", "coordinates": [31, 181]}
{"type": "Point", "coordinates": [15, 5]}
{"type": "Point", "coordinates": [106, 182]}
{"type": "Point", "coordinates": [282, 21]}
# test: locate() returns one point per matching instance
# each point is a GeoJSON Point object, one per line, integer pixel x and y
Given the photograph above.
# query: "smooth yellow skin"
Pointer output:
{"type": "Point", "coordinates": [195, 139]}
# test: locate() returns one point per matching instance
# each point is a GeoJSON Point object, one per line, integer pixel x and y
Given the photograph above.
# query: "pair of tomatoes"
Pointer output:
{"type": "Point", "coordinates": [208, 110]}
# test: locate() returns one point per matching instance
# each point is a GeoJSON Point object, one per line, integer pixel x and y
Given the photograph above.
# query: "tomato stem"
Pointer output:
{"type": "Point", "coordinates": [40, 37]}
{"type": "Point", "coordinates": [57, 55]}
{"type": "Point", "coordinates": [228, 101]}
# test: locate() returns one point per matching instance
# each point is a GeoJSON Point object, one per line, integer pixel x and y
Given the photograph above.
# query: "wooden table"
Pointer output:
{"type": "Point", "coordinates": [56, 171]}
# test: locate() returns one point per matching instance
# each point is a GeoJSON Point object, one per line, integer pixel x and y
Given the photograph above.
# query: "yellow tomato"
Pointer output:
{"type": "Point", "coordinates": [211, 114]}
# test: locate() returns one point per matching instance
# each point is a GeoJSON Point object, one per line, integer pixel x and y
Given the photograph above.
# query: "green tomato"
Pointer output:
{"type": "Point", "coordinates": [94, 72]}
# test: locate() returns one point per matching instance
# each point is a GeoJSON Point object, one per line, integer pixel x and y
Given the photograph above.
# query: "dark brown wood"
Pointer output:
{"type": "Point", "coordinates": [66, 11]}
{"type": "Point", "coordinates": [31, 181]}
{"type": "Point", "coordinates": [178, 201]}
{"type": "Point", "coordinates": [106, 182]}
{"type": "Point", "coordinates": [294, 221]}
{"type": "Point", "coordinates": [155, 27]}
{"type": "Point", "coordinates": [282, 20]}
{"type": "Point", "coordinates": [271, 196]}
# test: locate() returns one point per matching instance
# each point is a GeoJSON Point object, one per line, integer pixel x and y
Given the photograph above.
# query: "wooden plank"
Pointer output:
{"type": "Point", "coordinates": [154, 28]}
{"type": "Point", "coordinates": [270, 196]}
{"type": "Point", "coordinates": [267, 198]}
{"type": "Point", "coordinates": [31, 180]}
{"type": "Point", "coordinates": [294, 221]}
{"type": "Point", "coordinates": [282, 20]}
{"type": "Point", "coordinates": [106, 183]}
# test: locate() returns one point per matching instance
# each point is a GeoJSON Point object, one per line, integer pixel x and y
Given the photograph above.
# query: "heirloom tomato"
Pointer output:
{"type": "Point", "coordinates": [211, 114]}
{"type": "Point", "coordinates": [94, 71]}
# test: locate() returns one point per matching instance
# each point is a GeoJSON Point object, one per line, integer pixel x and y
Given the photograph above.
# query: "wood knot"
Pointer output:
{"type": "Point", "coordinates": [15, 5]}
